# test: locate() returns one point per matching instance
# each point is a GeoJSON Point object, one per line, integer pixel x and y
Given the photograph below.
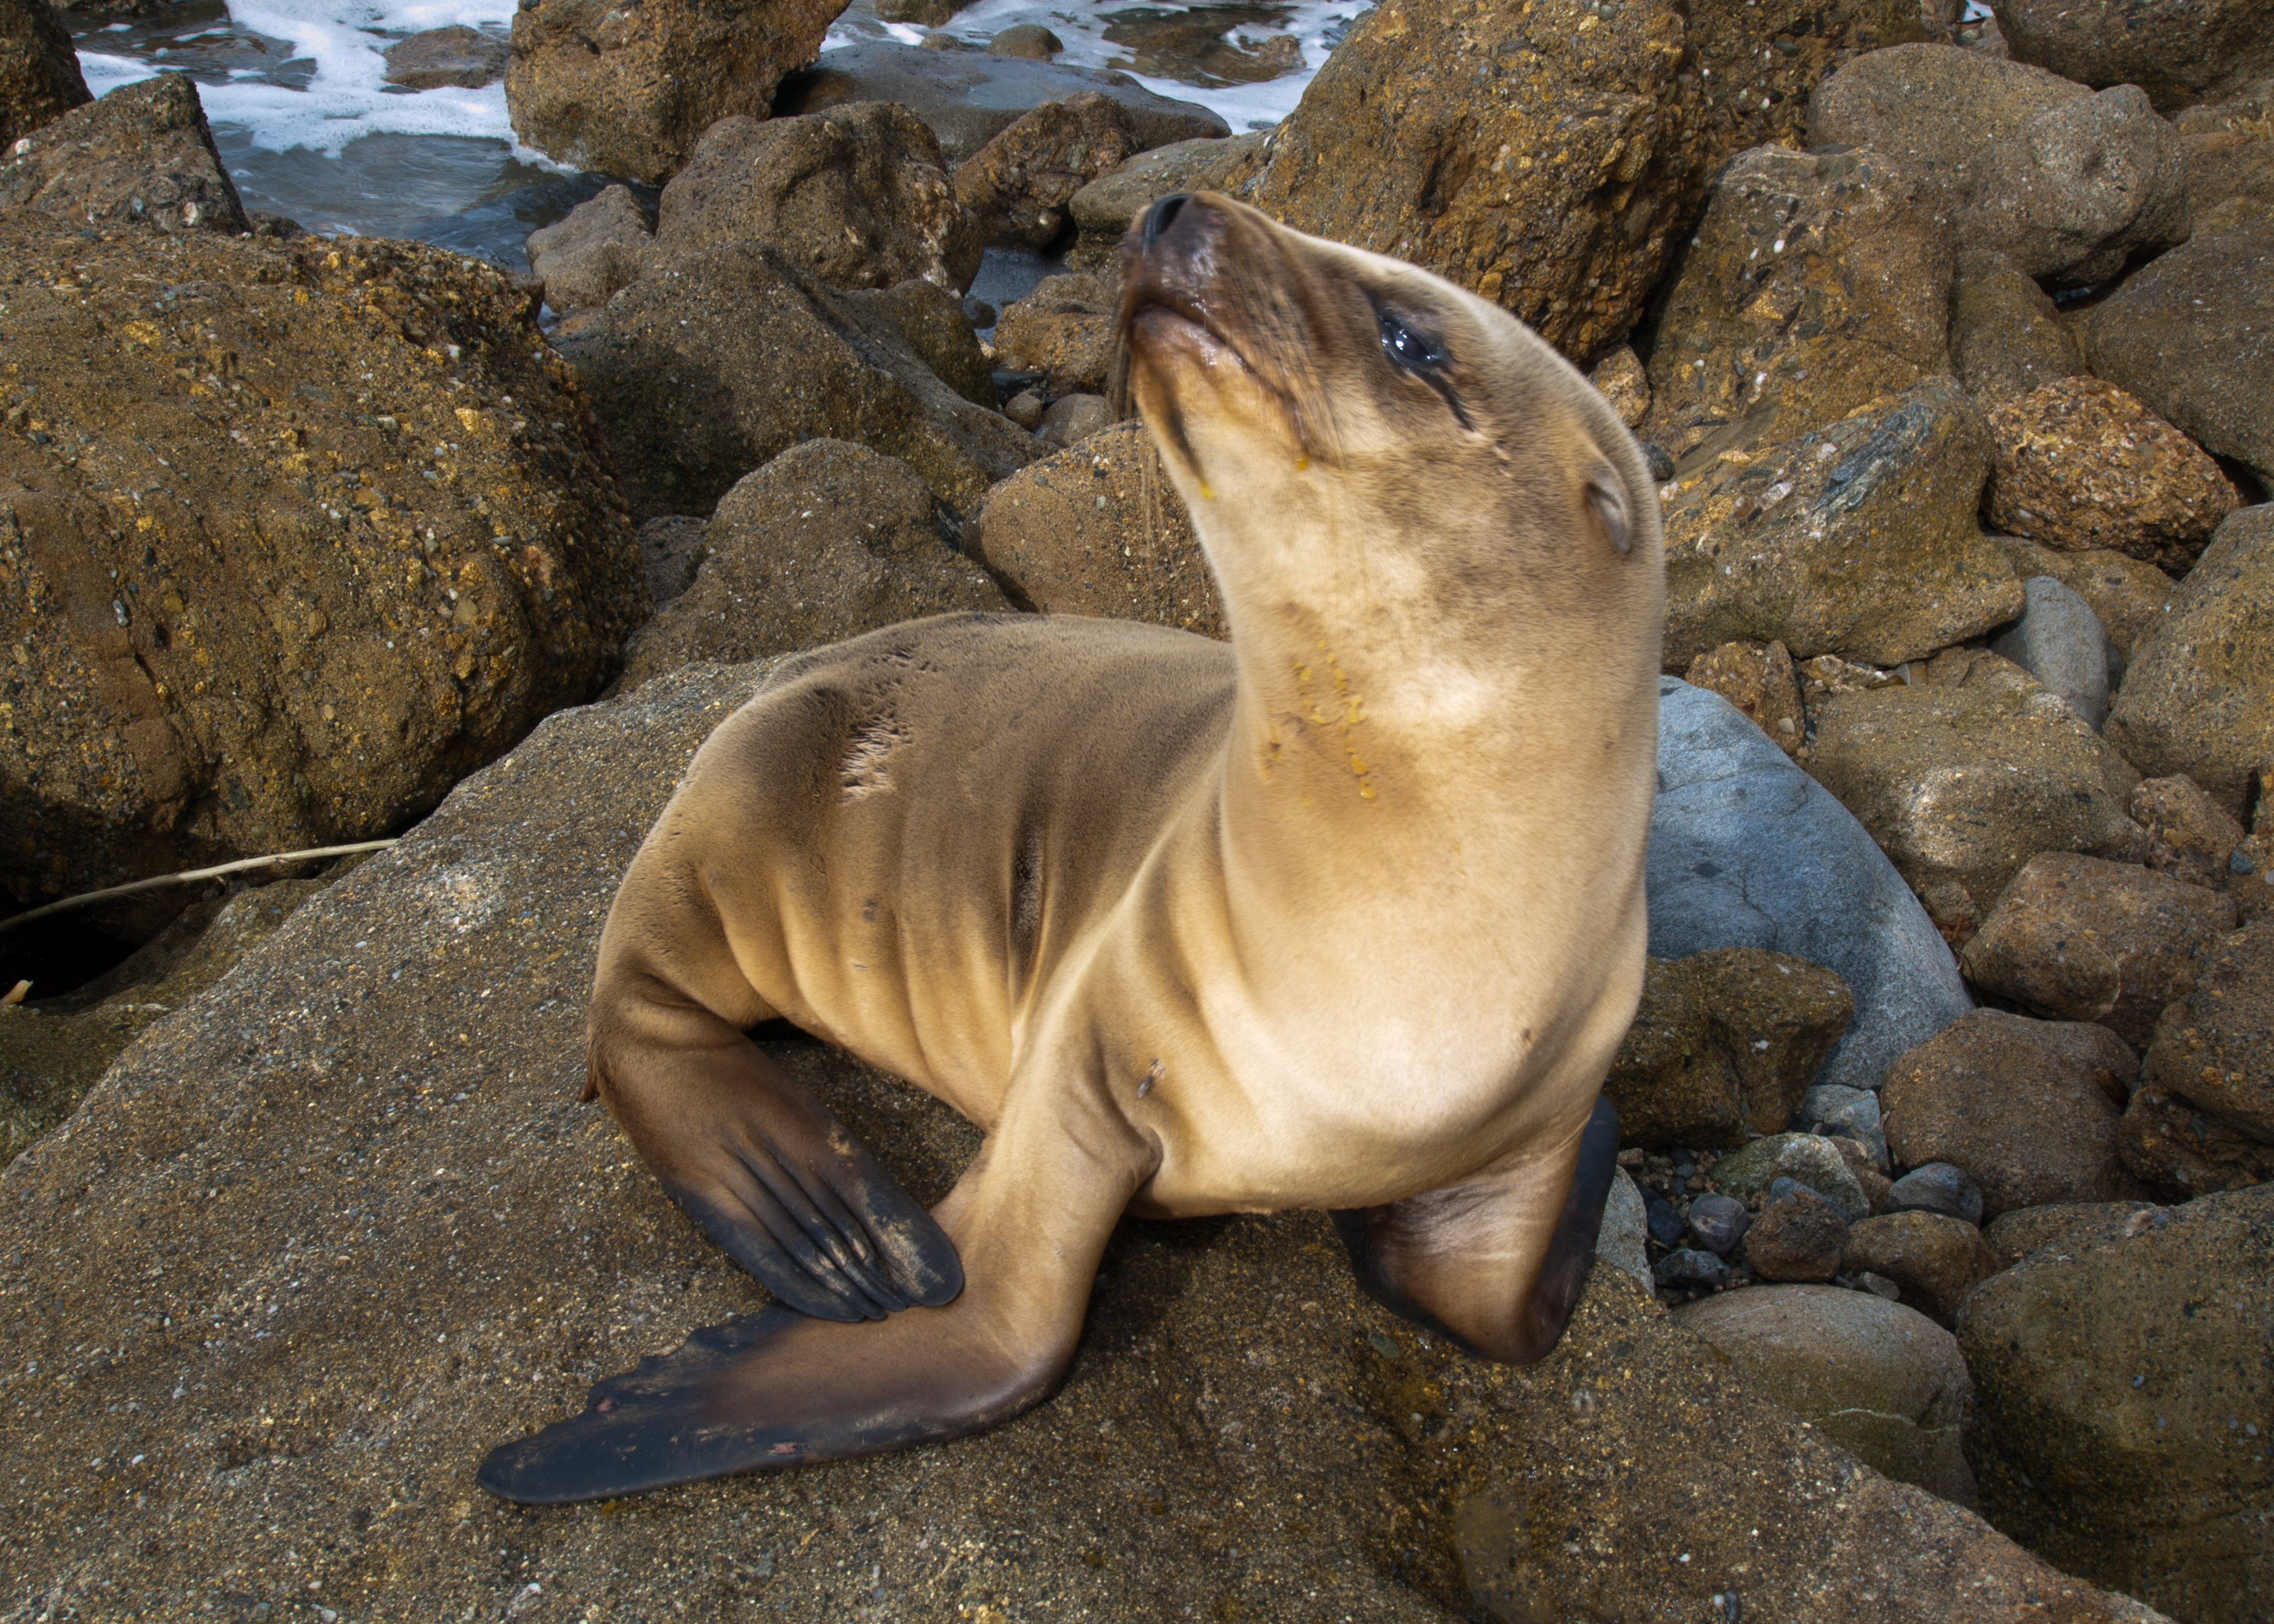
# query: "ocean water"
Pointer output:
{"type": "Point", "coordinates": [309, 129]}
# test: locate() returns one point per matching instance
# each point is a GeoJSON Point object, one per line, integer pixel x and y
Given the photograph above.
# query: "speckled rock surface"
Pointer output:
{"type": "Point", "coordinates": [967, 97]}
{"type": "Point", "coordinates": [2078, 464]}
{"type": "Point", "coordinates": [1098, 529]}
{"type": "Point", "coordinates": [1746, 850]}
{"type": "Point", "coordinates": [1797, 1236]}
{"type": "Point", "coordinates": [2212, 1050]}
{"type": "Point", "coordinates": [1625, 383]}
{"type": "Point", "coordinates": [1932, 106]}
{"type": "Point", "coordinates": [858, 195]}
{"type": "Point", "coordinates": [2064, 1228]}
{"type": "Point", "coordinates": [1064, 330]}
{"type": "Point", "coordinates": [456, 56]}
{"type": "Point", "coordinates": [471, 1246]}
{"type": "Point", "coordinates": [2192, 335]}
{"type": "Point", "coordinates": [628, 91]}
{"type": "Point", "coordinates": [364, 531]}
{"type": "Point", "coordinates": [1548, 160]}
{"type": "Point", "coordinates": [1964, 783]}
{"type": "Point", "coordinates": [727, 358]}
{"type": "Point", "coordinates": [1102, 209]}
{"type": "Point", "coordinates": [1723, 1046]}
{"type": "Point", "coordinates": [2004, 338]}
{"type": "Point", "coordinates": [2012, 1105]}
{"type": "Point", "coordinates": [140, 157]}
{"type": "Point", "coordinates": [2080, 189]}
{"type": "Point", "coordinates": [1019, 186]}
{"type": "Point", "coordinates": [1879, 1379]}
{"type": "Point", "coordinates": [2181, 53]}
{"type": "Point", "coordinates": [1757, 678]}
{"type": "Point", "coordinates": [2078, 939]}
{"type": "Point", "coordinates": [1859, 538]}
{"type": "Point", "coordinates": [2127, 595]}
{"type": "Point", "coordinates": [2230, 172]}
{"type": "Point", "coordinates": [40, 78]}
{"type": "Point", "coordinates": [53, 1050]}
{"type": "Point", "coordinates": [2125, 1405]}
{"type": "Point", "coordinates": [1812, 1159]}
{"type": "Point", "coordinates": [2198, 696]}
{"type": "Point", "coordinates": [2194, 839]}
{"type": "Point", "coordinates": [598, 248]}
{"type": "Point", "coordinates": [2179, 1153]}
{"type": "Point", "coordinates": [1818, 282]}
{"type": "Point", "coordinates": [826, 542]}
{"type": "Point", "coordinates": [1935, 1258]}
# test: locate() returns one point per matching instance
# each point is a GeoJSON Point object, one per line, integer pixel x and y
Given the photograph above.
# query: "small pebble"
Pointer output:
{"type": "Point", "coordinates": [1937, 1187]}
{"type": "Point", "coordinates": [1691, 1269]}
{"type": "Point", "coordinates": [1719, 1223]}
{"type": "Point", "coordinates": [1665, 1222]}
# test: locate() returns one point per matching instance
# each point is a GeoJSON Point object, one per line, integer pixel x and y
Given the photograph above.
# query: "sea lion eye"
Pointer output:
{"type": "Point", "coordinates": [1408, 347]}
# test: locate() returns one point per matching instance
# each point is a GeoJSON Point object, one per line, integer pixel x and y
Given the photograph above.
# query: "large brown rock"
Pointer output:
{"type": "Point", "coordinates": [2179, 51]}
{"type": "Point", "coordinates": [1797, 1236]}
{"type": "Point", "coordinates": [1816, 283]}
{"type": "Point", "coordinates": [1099, 530]}
{"type": "Point", "coordinates": [1551, 160]}
{"type": "Point", "coordinates": [40, 80]}
{"type": "Point", "coordinates": [2193, 838]}
{"type": "Point", "coordinates": [1228, 1366]}
{"type": "Point", "coordinates": [1962, 783]}
{"type": "Point", "coordinates": [2025, 1109]}
{"type": "Point", "coordinates": [2229, 173]}
{"type": "Point", "coordinates": [2077, 939]}
{"type": "Point", "coordinates": [1723, 1046]}
{"type": "Point", "coordinates": [2192, 335]}
{"type": "Point", "coordinates": [294, 538]}
{"type": "Point", "coordinates": [1879, 1378]}
{"type": "Point", "coordinates": [2198, 695]}
{"type": "Point", "coordinates": [2124, 1421]}
{"type": "Point", "coordinates": [598, 248]}
{"type": "Point", "coordinates": [1759, 679]}
{"type": "Point", "coordinates": [859, 196]}
{"type": "Point", "coordinates": [2079, 464]}
{"type": "Point", "coordinates": [2179, 1153]}
{"type": "Point", "coordinates": [2063, 1228]}
{"type": "Point", "coordinates": [627, 90]}
{"type": "Point", "coordinates": [1020, 186]}
{"type": "Point", "coordinates": [1858, 539]}
{"type": "Point", "coordinates": [729, 355]}
{"type": "Point", "coordinates": [2213, 1047]}
{"type": "Point", "coordinates": [826, 542]}
{"type": "Point", "coordinates": [1102, 209]}
{"type": "Point", "coordinates": [1931, 106]}
{"type": "Point", "coordinates": [2005, 335]}
{"type": "Point", "coordinates": [968, 97]}
{"type": "Point", "coordinates": [141, 156]}
{"type": "Point", "coordinates": [1933, 1259]}
{"type": "Point", "coordinates": [456, 56]}
{"type": "Point", "coordinates": [1065, 330]}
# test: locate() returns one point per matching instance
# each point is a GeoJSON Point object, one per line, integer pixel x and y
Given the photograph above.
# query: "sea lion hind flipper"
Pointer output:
{"type": "Point", "coordinates": [1454, 1261]}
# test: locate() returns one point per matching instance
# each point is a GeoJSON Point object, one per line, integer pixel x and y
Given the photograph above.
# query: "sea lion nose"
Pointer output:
{"type": "Point", "coordinates": [1162, 214]}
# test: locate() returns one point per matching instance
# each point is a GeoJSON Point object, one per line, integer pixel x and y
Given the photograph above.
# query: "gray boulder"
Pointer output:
{"type": "Point", "coordinates": [1746, 850]}
{"type": "Point", "coordinates": [2059, 642]}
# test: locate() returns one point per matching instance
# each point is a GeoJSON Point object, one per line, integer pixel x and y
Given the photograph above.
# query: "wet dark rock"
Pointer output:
{"type": "Point", "coordinates": [2124, 1424]}
{"type": "Point", "coordinates": [723, 359]}
{"type": "Point", "coordinates": [1031, 40]}
{"type": "Point", "coordinates": [1689, 1269]}
{"type": "Point", "coordinates": [2027, 1109]}
{"type": "Point", "coordinates": [967, 97]}
{"type": "Point", "coordinates": [446, 555]}
{"type": "Point", "coordinates": [1098, 529]}
{"type": "Point", "coordinates": [1934, 1259]}
{"type": "Point", "coordinates": [1858, 539]}
{"type": "Point", "coordinates": [629, 91]}
{"type": "Point", "coordinates": [2181, 51]}
{"type": "Point", "coordinates": [1797, 1235]}
{"type": "Point", "coordinates": [1663, 1219]}
{"type": "Point", "coordinates": [2192, 335]}
{"type": "Point", "coordinates": [1746, 850]}
{"type": "Point", "coordinates": [2074, 938]}
{"type": "Point", "coordinates": [1962, 779]}
{"type": "Point", "coordinates": [456, 56]}
{"type": "Point", "coordinates": [40, 80]}
{"type": "Point", "coordinates": [1936, 1187]}
{"type": "Point", "coordinates": [858, 196]}
{"type": "Point", "coordinates": [143, 155]}
{"type": "Point", "coordinates": [1719, 1223]}
{"type": "Point", "coordinates": [1880, 1379]}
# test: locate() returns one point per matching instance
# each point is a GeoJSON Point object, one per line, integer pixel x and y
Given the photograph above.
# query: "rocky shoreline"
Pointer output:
{"type": "Point", "coordinates": [1939, 1279]}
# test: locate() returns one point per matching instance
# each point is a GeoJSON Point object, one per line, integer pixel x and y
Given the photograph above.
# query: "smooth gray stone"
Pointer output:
{"type": "Point", "coordinates": [1937, 1187]}
{"type": "Point", "coordinates": [2059, 642]}
{"type": "Point", "coordinates": [1619, 1241]}
{"type": "Point", "coordinates": [1852, 1111]}
{"type": "Point", "coordinates": [1746, 850]}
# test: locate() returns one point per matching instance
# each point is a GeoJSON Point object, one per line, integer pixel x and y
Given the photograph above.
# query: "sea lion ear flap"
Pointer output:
{"type": "Point", "coordinates": [1606, 495]}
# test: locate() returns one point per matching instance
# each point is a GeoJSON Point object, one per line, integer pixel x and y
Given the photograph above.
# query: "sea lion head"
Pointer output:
{"type": "Point", "coordinates": [1378, 459]}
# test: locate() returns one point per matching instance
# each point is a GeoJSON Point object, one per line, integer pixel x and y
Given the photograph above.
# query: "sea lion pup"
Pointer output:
{"type": "Point", "coordinates": [1347, 915]}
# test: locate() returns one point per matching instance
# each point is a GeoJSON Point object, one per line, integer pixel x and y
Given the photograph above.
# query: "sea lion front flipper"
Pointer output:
{"type": "Point", "coordinates": [1030, 1218]}
{"type": "Point", "coordinates": [1496, 1262]}
{"type": "Point", "coordinates": [766, 1170]}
